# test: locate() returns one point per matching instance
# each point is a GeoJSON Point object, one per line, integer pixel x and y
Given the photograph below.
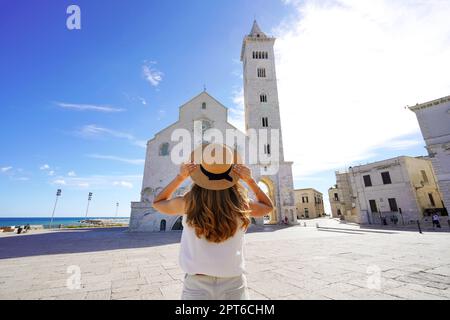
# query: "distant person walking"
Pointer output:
{"type": "Point", "coordinates": [436, 221]}
{"type": "Point", "coordinates": [394, 219]}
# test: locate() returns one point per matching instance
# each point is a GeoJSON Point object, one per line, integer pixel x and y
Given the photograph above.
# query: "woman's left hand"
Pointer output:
{"type": "Point", "coordinates": [243, 172]}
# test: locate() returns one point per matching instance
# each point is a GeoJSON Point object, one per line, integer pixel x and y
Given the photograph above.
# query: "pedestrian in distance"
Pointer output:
{"type": "Point", "coordinates": [436, 221]}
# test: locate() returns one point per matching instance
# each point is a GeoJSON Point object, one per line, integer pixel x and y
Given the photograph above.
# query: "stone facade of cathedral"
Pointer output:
{"type": "Point", "coordinates": [204, 113]}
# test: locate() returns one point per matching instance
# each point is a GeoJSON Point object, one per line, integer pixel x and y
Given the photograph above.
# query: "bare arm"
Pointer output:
{"type": "Point", "coordinates": [163, 201]}
{"type": "Point", "coordinates": [263, 205]}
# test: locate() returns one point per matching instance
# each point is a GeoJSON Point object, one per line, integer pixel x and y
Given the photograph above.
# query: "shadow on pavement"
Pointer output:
{"type": "Point", "coordinates": [355, 230]}
{"type": "Point", "coordinates": [266, 228]}
{"type": "Point", "coordinates": [92, 240]}
{"type": "Point", "coordinates": [80, 241]}
{"type": "Point", "coordinates": [348, 231]}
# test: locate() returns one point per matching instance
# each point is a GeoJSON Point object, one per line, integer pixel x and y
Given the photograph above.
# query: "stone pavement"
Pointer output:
{"type": "Point", "coordinates": [340, 262]}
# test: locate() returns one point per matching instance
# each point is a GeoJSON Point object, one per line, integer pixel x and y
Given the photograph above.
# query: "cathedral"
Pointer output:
{"type": "Point", "coordinates": [261, 112]}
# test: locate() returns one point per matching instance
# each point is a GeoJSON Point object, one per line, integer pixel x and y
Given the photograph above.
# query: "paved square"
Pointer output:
{"type": "Point", "coordinates": [343, 262]}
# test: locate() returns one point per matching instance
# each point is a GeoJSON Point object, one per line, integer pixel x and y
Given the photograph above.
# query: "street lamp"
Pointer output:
{"type": "Point", "coordinates": [89, 201]}
{"type": "Point", "coordinates": [58, 194]}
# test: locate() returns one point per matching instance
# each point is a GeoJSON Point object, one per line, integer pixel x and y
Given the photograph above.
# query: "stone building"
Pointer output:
{"type": "Point", "coordinates": [340, 196]}
{"type": "Point", "coordinates": [402, 188]}
{"type": "Point", "coordinates": [434, 121]}
{"type": "Point", "coordinates": [261, 112]}
{"type": "Point", "coordinates": [308, 203]}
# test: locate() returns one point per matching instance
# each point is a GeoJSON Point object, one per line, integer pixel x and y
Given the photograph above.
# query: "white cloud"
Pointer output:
{"type": "Point", "coordinates": [72, 174]}
{"type": "Point", "coordinates": [83, 185]}
{"type": "Point", "coordinates": [44, 167]}
{"type": "Point", "coordinates": [124, 184]}
{"type": "Point", "coordinates": [135, 98]}
{"type": "Point", "coordinates": [15, 174]}
{"type": "Point", "coordinates": [161, 114]}
{"type": "Point", "coordinates": [347, 68]}
{"type": "Point", "coordinates": [51, 173]}
{"type": "Point", "coordinates": [5, 169]}
{"type": "Point", "coordinates": [96, 182]}
{"type": "Point", "coordinates": [115, 158]}
{"type": "Point", "coordinates": [88, 107]}
{"type": "Point", "coordinates": [22, 179]}
{"type": "Point", "coordinates": [153, 76]}
{"type": "Point", "coordinates": [142, 100]}
{"type": "Point", "coordinates": [404, 144]}
{"type": "Point", "coordinates": [237, 113]}
{"type": "Point", "coordinates": [93, 130]}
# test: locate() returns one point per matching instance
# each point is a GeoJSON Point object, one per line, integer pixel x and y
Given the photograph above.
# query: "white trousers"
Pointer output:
{"type": "Point", "coordinates": [201, 287]}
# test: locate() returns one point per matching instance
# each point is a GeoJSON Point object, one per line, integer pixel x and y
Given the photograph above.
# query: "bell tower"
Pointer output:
{"type": "Point", "coordinates": [260, 84]}
{"type": "Point", "coordinates": [262, 111]}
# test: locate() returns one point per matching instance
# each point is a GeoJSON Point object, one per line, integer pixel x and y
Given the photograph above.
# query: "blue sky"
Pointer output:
{"type": "Point", "coordinates": [76, 107]}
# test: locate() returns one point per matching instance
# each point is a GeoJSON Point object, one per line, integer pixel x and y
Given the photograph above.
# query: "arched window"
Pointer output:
{"type": "Point", "coordinates": [164, 150]}
{"type": "Point", "coordinates": [162, 226]}
{"type": "Point", "coordinates": [206, 125]}
{"type": "Point", "coordinates": [204, 105]}
{"type": "Point", "coordinates": [265, 122]}
{"type": "Point", "coordinates": [263, 98]}
{"type": "Point", "coordinates": [261, 72]}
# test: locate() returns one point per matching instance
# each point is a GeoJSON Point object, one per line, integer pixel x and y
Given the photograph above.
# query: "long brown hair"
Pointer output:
{"type": "Point", "coordinates": [217, 214]}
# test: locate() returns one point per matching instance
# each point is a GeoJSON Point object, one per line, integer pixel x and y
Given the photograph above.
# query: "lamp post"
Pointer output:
{"type": "Point", "coordinates": [117, 209]}
{"type": "Point", "coordinates": [89, 201]}
{"type": "Point", "coordinates": [58, 194]}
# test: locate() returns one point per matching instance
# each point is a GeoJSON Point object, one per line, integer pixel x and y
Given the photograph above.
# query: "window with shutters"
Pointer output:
{"type": "Point", "coordinates": [164, 150]}
{"type": "Point", "coordinates": [393, 205]}
{"type": "Point", "coordinates": [424, 176]}
{"type": "Point", "coordinates": [367, 181]}
{"type": "Point", "coordinates": [430, 196]}
{"type": "Point", "coordinates": [373, 206]}
{"type": "Point", "coordinates": [386, 177]}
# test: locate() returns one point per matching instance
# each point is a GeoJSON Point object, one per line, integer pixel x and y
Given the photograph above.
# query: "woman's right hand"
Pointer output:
{"type": "Point", "coordinates": [186, 169]}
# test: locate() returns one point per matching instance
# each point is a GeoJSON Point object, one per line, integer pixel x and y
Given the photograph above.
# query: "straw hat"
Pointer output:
{"type": "Point", "coordinates": [216, 163]}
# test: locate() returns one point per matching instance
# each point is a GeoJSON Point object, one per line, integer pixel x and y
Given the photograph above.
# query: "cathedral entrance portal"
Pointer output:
{"type": "Point", "coordinates": [267, 186]}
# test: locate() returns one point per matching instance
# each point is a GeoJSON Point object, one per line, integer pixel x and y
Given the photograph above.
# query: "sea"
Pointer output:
{"type": "Point", "coordinates": [45, 222]}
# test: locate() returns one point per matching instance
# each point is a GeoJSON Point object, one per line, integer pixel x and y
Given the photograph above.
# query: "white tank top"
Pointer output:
{"type": "Point", "coordinates": [199, 256]}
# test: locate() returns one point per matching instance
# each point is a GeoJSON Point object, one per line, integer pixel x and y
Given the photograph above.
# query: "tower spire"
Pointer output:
{"type": "Point", "coordinates": [256, 31]}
